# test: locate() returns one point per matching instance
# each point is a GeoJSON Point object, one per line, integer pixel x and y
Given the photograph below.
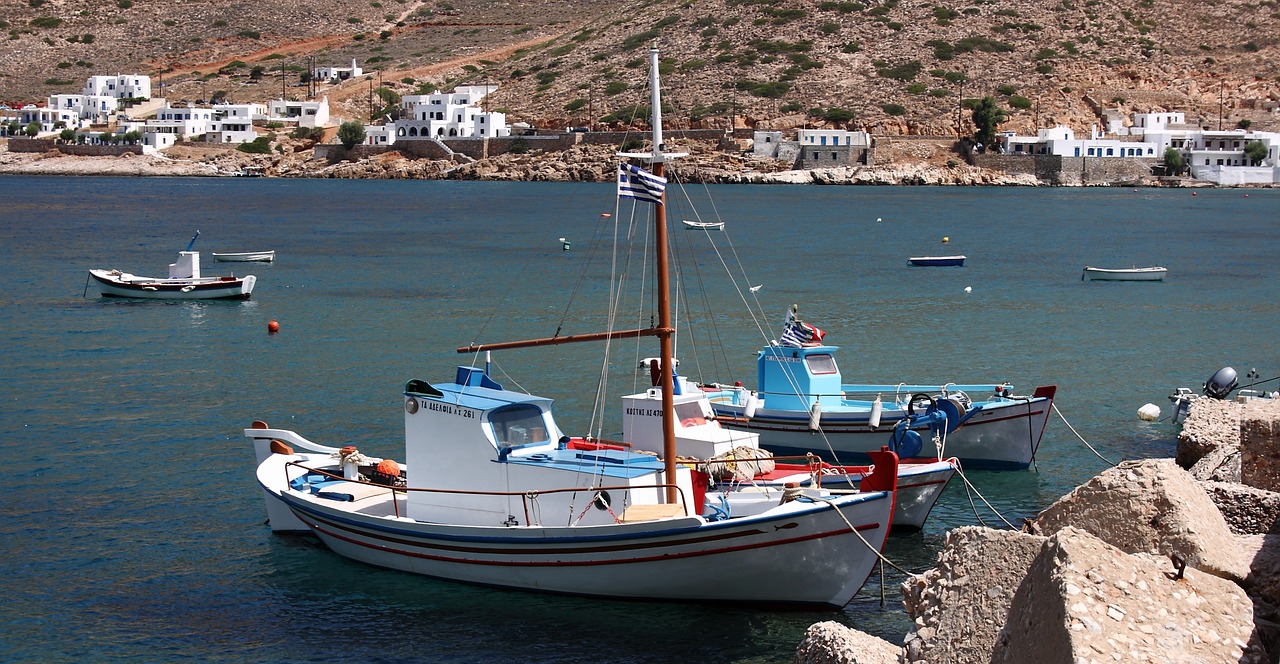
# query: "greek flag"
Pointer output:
{"type": "Point", "coordinates": [635, 182]}
{"type": "Point", "coordinates": [796, 333]}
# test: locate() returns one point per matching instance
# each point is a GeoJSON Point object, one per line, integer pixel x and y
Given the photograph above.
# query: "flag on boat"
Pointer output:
{"type": "Point", "coordinates": [635, 182]}
{"type": "Point", "coordinates": [796, 332]}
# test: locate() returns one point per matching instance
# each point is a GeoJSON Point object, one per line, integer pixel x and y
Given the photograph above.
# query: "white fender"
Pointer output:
{"type": "Point", "coordinates": [753, 404]}
{"type": "Point", "coordinates": [876, 407]}
{"type": "Point", "coordinates": [815, 416]}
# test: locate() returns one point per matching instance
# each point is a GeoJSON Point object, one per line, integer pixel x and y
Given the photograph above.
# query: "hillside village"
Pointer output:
{"type": "Point", "coordinates": [552, 83]}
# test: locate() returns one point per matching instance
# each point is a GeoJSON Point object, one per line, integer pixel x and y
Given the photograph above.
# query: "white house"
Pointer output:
{"type": "Point", "coordinates": [51, 120]}
{"type": "Point", "coordinates": [823, 137]}
{"type": "Point", "coordinates": [92, 109]}
{"type": "Point", "coordinates": [302, 113]}
{"type": "Point", "coordinates": [379, 134]}
{"type": "Point", "coordinates": [233, 123]}
{"type": "Point", "coordinates": [1218, 156]}
{"type": "Point", "coordinates": [1061, 141]}
{"type": "Point", "coordinates": [765, 143]}
{"type": "Point", "coordinates": [120, 86]}
{"type": "Point", "coordinates": [337, 73]}
{"type": "Point", "coordinates": [449, 115]}
{"type": "Point", "coordinates": [181, 121]}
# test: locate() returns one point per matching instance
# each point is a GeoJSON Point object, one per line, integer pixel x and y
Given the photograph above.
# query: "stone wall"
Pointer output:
{"type": "Point", "coordinates": [1055, 169]}
{"type": "Point", "coordinates": [47, 144]}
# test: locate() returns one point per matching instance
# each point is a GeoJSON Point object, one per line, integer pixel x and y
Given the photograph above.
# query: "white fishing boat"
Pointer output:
{"type": "Point", "coordinates": [1155, 273]}
{"type": "Point", "coordinates": [703, 225]}
{"type": "Point", "coordinates": [492, 492]}
{"type": "Point", "coordinates": [245, 257]}
{"type": "Point", "coordinates": [183, 283]}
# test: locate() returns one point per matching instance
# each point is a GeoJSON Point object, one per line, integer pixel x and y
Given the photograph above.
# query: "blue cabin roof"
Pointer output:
{"type": "Point", "coordinates": [793, 378]}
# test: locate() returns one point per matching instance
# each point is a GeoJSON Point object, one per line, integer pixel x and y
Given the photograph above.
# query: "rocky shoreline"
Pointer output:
{"type": "Point", "coordinates": [582, 163]}
{"type": "Point", "coordinates": [1150, 561]}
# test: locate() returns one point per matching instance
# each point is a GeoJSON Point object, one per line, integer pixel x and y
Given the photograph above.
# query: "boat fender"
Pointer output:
{"type": "Point", "coordinates": [815, 416]}
{"type": "Point", "coordinates": [754, 403]}
{"type": "Point", "coordinates": [876, 408]}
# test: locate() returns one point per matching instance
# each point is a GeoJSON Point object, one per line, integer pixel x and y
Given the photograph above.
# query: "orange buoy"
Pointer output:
{"type": "Point", "coordinates": [388, 467]}
{"type": "Point", "coordinates": [273, 327]}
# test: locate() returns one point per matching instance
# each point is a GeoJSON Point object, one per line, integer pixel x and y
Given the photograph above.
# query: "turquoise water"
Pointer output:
{"type": "Point", "coordinates": [133, 527]}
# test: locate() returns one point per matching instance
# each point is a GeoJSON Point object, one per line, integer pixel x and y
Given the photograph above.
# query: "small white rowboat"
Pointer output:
{"type": "Point", "coordinates": [1123, 274]}
{"type": "Point", "coordinates": [246, 257]}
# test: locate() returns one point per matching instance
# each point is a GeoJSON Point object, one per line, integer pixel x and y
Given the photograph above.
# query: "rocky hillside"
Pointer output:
{"type": "Point", "coordinates": [890, 66]}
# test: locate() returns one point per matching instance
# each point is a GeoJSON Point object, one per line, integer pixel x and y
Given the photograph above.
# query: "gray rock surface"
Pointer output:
{"type": "Point", "coordinates": [1085, 601]}
{"type": "Point", "coordinates": [960, 606]}
{"type": "Point", "coordinates": [832, 643]}
{"type": "Point", "coordinates": [1247, 510]}
{"type": "Point", "coordinates": [1210, 424]}
{"type": "Point", "coordinates": [1260, 444]}
{"type": "Point", "coordinates": [1151, 506]}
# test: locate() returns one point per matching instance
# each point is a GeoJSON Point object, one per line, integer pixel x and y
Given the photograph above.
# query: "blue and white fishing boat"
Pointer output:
{"type": "Point", "coordinates": [493, 492]}
{"type": "Point", "coordinates": [802, 404]}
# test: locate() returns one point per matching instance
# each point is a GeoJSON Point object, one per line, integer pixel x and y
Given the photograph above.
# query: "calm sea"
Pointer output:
{"type": "Point", "coordinates": [133, 528]}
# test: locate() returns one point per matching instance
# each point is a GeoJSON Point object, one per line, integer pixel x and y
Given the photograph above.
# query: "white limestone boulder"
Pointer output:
{"type": "Point", "coordinates": [1085, 601]}
{"type": "Point", "coordinates": [832, 643]}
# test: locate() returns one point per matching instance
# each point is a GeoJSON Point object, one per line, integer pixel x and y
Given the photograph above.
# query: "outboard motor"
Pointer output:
{"type": "Point", "coordinates": [1221, 384]}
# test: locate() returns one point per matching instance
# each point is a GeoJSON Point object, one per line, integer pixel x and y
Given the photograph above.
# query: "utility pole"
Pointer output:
{"type": "Point", "coordinates": [281, 81]}
{"type": "Point", "coordinates": [370, 99]}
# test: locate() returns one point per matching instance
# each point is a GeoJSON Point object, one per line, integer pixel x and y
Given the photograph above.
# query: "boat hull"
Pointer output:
{"type": "Point", "coordinates": [683, 558]}
{"type": "Point", "coordinates": [112, 283]}
{"type": "Point", "coordinates": [1131, 274]}
{"type": "Point", "coordinates": [997, 437]}
{"type": "Point", "coordinates": [936, 261]}
{"type": "Point", "coordinates": [920, 485]}
{"type": "Point", "coordinates": [246, 257]}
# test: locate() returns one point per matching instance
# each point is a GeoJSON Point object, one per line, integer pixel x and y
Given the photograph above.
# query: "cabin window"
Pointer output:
{"type": "Point", "coordinates": [690, 414]}
{"type": "Point", "coordinates": [822, 363]}
{"type": "Point", "coordinates": [518, 425]}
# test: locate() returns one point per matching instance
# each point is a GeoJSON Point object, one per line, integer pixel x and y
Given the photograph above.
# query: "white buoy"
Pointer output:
{"type": "Point", "coordinates": [815, 416]}
{"type": "Point", "coordinates": [876, 407]}
{"type": "Point", "coordinates": [1149, 413]}
{"type": "Point", "coordinates": [878, 220]}
{"type": "Point", "coordinates": [968, 289]}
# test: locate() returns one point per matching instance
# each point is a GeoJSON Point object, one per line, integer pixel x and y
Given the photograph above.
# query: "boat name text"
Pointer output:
{"type": "Point", "coordinates": [450, 409]}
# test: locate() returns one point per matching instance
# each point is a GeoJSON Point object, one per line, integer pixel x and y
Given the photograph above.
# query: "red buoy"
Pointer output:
{"type": "Point", "coordinates": [273, 327]}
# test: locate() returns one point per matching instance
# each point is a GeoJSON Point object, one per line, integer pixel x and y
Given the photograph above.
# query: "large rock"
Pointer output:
{"type": "Point", "coordinates": [1247, 510]}
{"type": "Point", "coordinates": [1260, 444]}
{"type": "Point", "coordinates": [960, 605]}
{"type": "Point", "coordinates": [1085, 601]}
{"type": "Point", "coordinates": [1210, 424]}
{"type": "Point", "coordinates": [1151, 506]}
{"type": "Point", "coordinates": [832, 643]}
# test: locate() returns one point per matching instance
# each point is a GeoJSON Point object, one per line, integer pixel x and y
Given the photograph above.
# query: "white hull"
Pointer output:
{"type": "Point", "coordinates": [680, 558]}
{"type": "Point", "coordinates": [246, 257]}
{"type": "Point", "coordinates": [1001, 437]}
{"type": "Point", "coordinates": [1129, 274]}
{"type": "Point", "coordinates": [113, 283]}
{"type": "Point", "coordinates": [920, 485]}
{"type": "Point", "coordinates": [704, 225]}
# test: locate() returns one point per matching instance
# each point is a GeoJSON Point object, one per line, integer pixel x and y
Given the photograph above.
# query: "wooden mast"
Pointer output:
{"type": "Point", "coordinates": [666, 347]}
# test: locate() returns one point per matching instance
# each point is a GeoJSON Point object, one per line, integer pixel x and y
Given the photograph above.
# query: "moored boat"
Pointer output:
{"type": "Point", "coordinates": [1154, 273]}
{"type": "Point", "coordinates": [703, 225]}
{"type": "Point", "coordinates": [183, 283]}
{"type": "Point", "coordinates": [245, 257]}
{"type": "Point", "coordinates": [801, 404]}
{"type": "Point", "coordinates": [494, 493]}
{"type": "Point", "coordinates": [936, 261]}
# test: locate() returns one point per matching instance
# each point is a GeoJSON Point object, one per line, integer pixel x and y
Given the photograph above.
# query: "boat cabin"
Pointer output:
{"type": "Point", "coordinates": [698, 434]}
{"type": "Point", "coordinates": [473, 435]}
{"type": "Point", "coordinates": [186, 267]}
{"type": "Point", "coordinates": [794, 378]}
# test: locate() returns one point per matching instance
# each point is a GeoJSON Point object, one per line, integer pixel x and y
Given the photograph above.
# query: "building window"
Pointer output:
{"type": "Point", "coordinates": [1110, 152]}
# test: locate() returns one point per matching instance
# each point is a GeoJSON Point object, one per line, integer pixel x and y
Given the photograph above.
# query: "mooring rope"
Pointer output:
{"type": "Point", "coordinates": [859, 534]}
{"type": "Point", "coordinates": [969, 486]}
{"type": "Point", "coordinates": [1077, 433]}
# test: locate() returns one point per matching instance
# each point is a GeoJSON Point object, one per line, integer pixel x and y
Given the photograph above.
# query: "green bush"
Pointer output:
{"type": "Point", "coordinates": [259, 145]}
{"type": "Point", "coordinates": [615, 87]}
{"type": "Point", "coordinates": [124, 4]}
{"type": "Point", "coordinates": [893, 109]}
{"type": "Point", "coordinates": [1006, 89]}
{"type": "Point", "coordinates": [1019, 102]}
{"type": "Point", "coordinates": [903, 72]}
{"type": "Point", "coordinates": [575, 104]}
{"type": "Point", "coordinates": [46, 22]}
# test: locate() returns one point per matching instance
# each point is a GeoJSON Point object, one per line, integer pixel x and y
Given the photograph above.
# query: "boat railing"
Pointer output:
{"type": "Point", "coordinates": [527, 497]}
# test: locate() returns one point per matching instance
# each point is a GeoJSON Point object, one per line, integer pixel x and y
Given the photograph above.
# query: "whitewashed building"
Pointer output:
{"type": "Point", "coordinates": [120, 86]}
{"type": "Point", "coordinates": [337, 73]}
{"type": "Point", "coordinates": [181, 121]}
{"type": "Point", "coordinates": [233, 123]}
{"type": "Point", "coordinates": [832, 137]}
{"type": "Point", "coordinates": [454, 114]}
{"type": "Point", "coordinates": [51, 120]}
{"type": "Point", "coordinates": [92, 109]}
{"type": "Point", "coordinates": [379, 134]}
{"type": "Point", "coordinates": [308, 114]}
{"type": "Point", "coordinates": [1061, 141]}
